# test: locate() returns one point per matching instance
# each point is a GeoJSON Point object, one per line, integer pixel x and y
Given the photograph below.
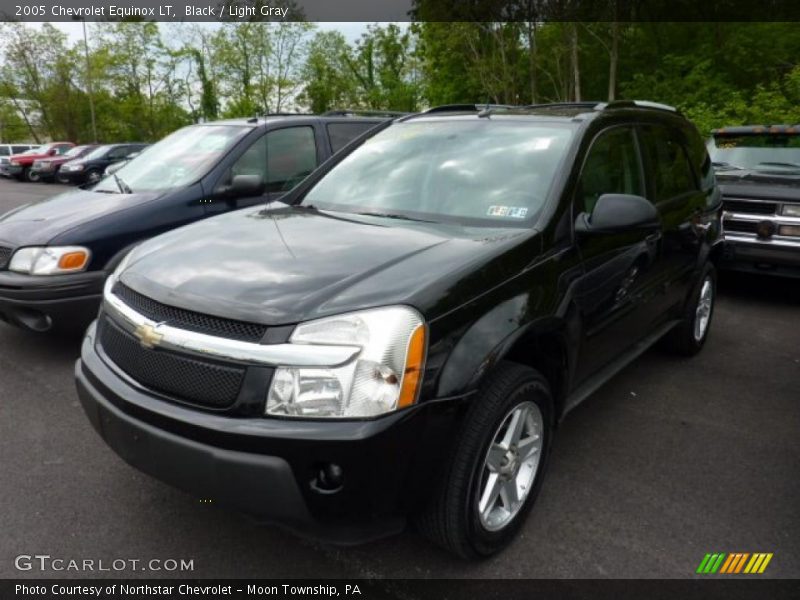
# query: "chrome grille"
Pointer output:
{"type": "Point", "coordinates": [189, 320]}
{"type": "Point", "coordinates": [198, 382]}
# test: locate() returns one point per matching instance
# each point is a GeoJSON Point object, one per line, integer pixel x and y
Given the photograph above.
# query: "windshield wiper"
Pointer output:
{"type": "Point", "coordinates": [123, 187]}
{"type": "Point", "coordinates": [394, 216]}
{"type": "Point", "coordinates": [724, 165]}
{"type": "Point", "coordinates": [787, 165]}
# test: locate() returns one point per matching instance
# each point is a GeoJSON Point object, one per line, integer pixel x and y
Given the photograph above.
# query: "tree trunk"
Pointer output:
{"type": "Point", "coordinates": [613, 62]}
{"type": "Point", "coordinates": [576, 70]}
{"type": "Point", "coordinates": [532, 58]}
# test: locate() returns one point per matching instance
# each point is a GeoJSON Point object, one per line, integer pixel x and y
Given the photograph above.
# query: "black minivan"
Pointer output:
{"type": "Point", "coordinates": [401, 334]}
{"type": "Point", "coordinates": [56, 254]}
{"type": "Point", "coordinates": [90, 168]}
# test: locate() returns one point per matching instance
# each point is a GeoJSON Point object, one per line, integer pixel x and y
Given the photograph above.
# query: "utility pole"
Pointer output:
{"type": "Point", "coordinates": [89, 79]}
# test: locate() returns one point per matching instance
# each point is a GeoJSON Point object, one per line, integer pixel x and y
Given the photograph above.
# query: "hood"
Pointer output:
{"type": "Point", "coordinates": [759, 185]}
{"type": "Point", "coordinates": [38, 223]}
{"type": "Point", "coordinates": [289, 264]}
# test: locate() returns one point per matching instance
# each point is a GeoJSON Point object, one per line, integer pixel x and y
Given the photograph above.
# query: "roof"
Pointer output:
{"type": "Point", "coordinates": [757, 130]}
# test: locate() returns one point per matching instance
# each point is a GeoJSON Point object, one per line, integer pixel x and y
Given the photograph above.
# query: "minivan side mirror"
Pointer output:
{"type": "Point", "coordinates": [617, 213]}
{"type": "Point", "coordinates": [245, 185]}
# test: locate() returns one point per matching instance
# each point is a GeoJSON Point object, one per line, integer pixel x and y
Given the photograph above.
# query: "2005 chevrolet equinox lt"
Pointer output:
{"type": "Point", "coordinates": [397, 339]}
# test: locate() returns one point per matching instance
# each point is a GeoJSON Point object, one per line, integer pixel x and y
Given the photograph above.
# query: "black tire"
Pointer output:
{"type": "Point", "coordinates": [31, 176]}
{"type": "Point", "coordinates": [682, 340]}
{"type": "Point", "coordinates": [92, 176]}
{"type": "Point", "coordinates": [451, 518]}
{"type": "Point", "coordinates": [63, 179]}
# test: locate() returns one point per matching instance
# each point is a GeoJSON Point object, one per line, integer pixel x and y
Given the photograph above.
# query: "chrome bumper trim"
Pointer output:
{"type": "Point", "coordinates": [208, 346]}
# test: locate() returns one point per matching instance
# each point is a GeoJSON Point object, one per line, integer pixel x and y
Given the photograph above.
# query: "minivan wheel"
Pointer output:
{"type": "Point", "coordinates": [494, 472]}
{"type": "Point", "coordinates": [689, 336]}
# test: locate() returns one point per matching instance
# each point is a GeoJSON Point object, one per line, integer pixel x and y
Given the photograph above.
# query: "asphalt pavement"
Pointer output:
{"type": "Point", "coordinates": [672, 459]}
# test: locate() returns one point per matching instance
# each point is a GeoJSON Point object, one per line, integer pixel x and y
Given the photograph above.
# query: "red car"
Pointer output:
{"type": "Point", "coordinates": [46, 169]}
{"type": "Point", "coordinates": [19, 165]}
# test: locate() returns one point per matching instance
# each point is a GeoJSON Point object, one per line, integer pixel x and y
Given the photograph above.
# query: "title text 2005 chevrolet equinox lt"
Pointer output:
{"type": "Point", "coordinates": [401, 334]}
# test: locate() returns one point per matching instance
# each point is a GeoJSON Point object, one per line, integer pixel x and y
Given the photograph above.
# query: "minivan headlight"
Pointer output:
{"type": "Point", "coordinates": [50, 260]}
{"type": "Point", "coordinates": [384, 376]}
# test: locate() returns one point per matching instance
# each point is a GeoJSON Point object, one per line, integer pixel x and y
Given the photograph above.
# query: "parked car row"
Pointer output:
{"type": "Point", "coordinates": [64, 161]}
{"type": "Point", "coordinates": [344, 323]}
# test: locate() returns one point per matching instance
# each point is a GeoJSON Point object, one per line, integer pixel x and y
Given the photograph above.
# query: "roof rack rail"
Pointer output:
{"type": "Point", "coordinates": [464, 108]}
{"type": "Point", "coordinates": [635, 104]}
{"type": "Point", "coordinates": [586, 104]}
{"type": "Point", "coordinates": [366, 113]}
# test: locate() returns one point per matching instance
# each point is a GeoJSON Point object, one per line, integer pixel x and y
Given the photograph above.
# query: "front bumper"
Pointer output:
{"type": "Point", "coordinates": [73, 177]}
{"type": "Point", "coordinates": [267, 467]}
{"type": "Point", "coordinates": [748, 253]}
{"type": "Point", "coordinates": [41, 303]}
{"type": "Point", "coordinates": [12, 170]}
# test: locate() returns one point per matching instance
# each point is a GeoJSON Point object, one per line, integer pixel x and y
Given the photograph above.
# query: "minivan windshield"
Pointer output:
{"type": "Point", "coordinates": [768, 152]}
{"type": "Point", "coordinates": [178, 160]}
{"type": "Point", "coordinates": [98, 152]}
{"type": "Point", "coordinates": [485, 172]}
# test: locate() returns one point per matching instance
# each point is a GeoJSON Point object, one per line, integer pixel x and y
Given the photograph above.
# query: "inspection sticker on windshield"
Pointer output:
{"type": "Point", "coordinates": [512, 212]}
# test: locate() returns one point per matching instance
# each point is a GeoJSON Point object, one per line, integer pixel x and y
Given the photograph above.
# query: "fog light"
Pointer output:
{"type": "Point", "coordinates": [789, 230]}
{"type": "Point", "coordinates": [765, 229]}
{"type": "Point", "coordinates": [329, 479]}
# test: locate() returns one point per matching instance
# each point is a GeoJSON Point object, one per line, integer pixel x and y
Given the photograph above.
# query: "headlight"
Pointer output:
{"type": "Point", "coordinates": [384, 376]}
{"type": "Point", "coordinates": [74, 167]}
{"type": "Point", "coordinates": [50, 261]}
{"type": "Point", "coordinates": [791, 210]}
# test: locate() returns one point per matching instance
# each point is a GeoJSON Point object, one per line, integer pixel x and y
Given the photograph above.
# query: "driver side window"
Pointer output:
{"type": "Point", "coordinates": [282, 158]}
{"type": "Point", "coordinates": [612, 167]}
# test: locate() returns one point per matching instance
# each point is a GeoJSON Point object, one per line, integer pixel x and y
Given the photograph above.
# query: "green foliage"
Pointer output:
{"type": "Point", "coordinates": [149, 79]}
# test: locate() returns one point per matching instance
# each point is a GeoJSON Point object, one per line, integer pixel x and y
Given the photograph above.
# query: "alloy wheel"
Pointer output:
{"type": "Point", "coordinates": [510, 466]}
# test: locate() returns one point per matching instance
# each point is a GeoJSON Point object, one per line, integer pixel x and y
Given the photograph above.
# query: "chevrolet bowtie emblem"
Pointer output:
{"type": "Point", "coordinates": [148, 336]}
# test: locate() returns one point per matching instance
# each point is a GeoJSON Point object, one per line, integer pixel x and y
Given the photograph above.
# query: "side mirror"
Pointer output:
{"type": "Point", "coordinates": [52, 152]}
{"type": "Point", "coordinates": [245, 185]}
{"type": "Point", "coordinates": [618, 212]}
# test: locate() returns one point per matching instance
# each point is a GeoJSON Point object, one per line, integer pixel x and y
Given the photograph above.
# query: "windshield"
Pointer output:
{"type": "Point", "coordinates": [98, 152]}
{"type": "Point", "coordinates": [74, 151]}
{"type": "Point", "coordinates": [178, 160]}
{"type": "Point", "coordinates": [756, 152]}
{"type": "Point", "coordinates": [478, 172]}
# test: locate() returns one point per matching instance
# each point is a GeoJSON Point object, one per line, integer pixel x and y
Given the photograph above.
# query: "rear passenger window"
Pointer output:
{"type": "Point", "coordinates": [291, 155]}
{"type": "Point", "coordinates": [4, 151]}
{"type": "Point", "coordinates": [612, 167]}
{"type": "Point", "coordinates": [342, 133]}
{"type": "Point", "coordinates": [669, 163]}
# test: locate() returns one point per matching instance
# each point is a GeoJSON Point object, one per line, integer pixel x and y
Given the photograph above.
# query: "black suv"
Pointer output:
{"type": "Point", "coordinates": [402, 333]}
{"type": "Point", "coordinates": [56, 254]}
{"type": "Point", "coordinates": [90, 168]}
{"type": "Point", "coordinates": [758, 169]}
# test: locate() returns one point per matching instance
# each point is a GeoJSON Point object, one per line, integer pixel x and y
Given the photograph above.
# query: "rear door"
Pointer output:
{"type": "Point", "coordinates": [675, 190]}
{"type": "Point", "coordinates": [619, 268]}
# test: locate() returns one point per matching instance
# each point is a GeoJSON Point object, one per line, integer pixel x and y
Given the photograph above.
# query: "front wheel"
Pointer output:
{"type": "Point", "coordinates": [93, 176]}
{"type": "Point", "coordinates": [689, 336]}
{"type": "Point", "coordinates": [495, 470]}
{"type": "Point", "coordinates": [31, 175]}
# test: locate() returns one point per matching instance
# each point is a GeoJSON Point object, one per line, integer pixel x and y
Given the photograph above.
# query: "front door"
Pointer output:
{"type": "Point", "coordinates": [617, 283]}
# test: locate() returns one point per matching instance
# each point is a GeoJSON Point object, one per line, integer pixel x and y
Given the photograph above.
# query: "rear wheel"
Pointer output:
{"type": "Point", "coordinates": [689, 337]}
{"type": "Point", "coordinates": [495, 470]}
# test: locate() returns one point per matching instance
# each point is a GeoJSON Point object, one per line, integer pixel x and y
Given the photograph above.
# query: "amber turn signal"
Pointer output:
{"type": "Point", "coordinates": [415, 358]}
{"type": "Point", "coordinates": [73, 261]}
